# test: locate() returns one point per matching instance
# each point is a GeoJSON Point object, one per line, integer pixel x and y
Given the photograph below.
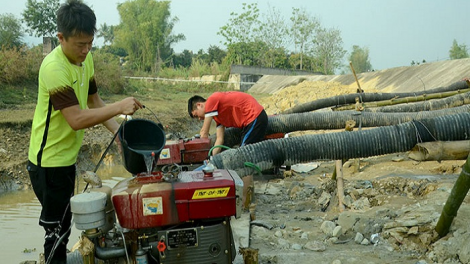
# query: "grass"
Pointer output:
{"type": "Point", "coordinates": [164, 101]}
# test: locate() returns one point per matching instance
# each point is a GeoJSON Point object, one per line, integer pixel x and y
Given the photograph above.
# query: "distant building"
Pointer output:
{"type": "Point", "coordinates": [48, 44]}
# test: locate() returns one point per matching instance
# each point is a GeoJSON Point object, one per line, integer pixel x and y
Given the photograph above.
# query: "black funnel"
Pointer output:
{"type": "Point", "coordinates": [140, 138]}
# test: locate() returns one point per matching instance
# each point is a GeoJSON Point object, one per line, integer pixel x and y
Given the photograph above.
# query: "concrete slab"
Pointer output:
{"type": "Point", "coordinates": [400, 79]}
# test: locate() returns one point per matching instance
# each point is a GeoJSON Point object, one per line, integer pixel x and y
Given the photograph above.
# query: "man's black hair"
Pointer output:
{"type": "Point", "coordinates": [75, 18]}
{"type": "Point", "coordinates": [192, 103]}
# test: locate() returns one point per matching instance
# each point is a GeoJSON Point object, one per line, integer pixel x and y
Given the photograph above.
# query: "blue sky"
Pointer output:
{"type": "Point", "coordinates": [396, 32]}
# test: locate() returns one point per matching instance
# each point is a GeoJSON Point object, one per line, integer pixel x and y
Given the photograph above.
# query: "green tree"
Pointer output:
{"type": "Point", "coordinates": [40, 17]}
{"type": "Point", "coordinates": [184, 59]}
{"type": "Point", "coordinates": [274, 32]}
{"type": "Point", "coordinates": [120, 52]}
{"type": "Point", "coordinates": [201, 56]}
{"type": "Point", "coordinates": [10, 31]}
{"type": "Point", "coordinates": [107, 33]}
{"type": "Point", "coordinates": [328, 50]}
{"type": "Point", "coordinates": [249, 54]}
{"type": "Point", "coordinates": [360, 59]}
{"type": "Point", "coordinates": [458, 51]}
{"type": "Point", "coordinates": [303, 32]}
{"type": "Point", "coordinates": [215, 54]}
{"type": "Point", "coordinates": [145, 33]}
{"type": "Point", "coordinates": [241, 33]}
{"type": "Point", "coordinates": [242, 27]}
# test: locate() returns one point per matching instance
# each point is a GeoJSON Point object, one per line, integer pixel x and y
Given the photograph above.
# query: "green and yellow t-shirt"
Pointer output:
{"type": "Point", "coordinates": [61, 84]}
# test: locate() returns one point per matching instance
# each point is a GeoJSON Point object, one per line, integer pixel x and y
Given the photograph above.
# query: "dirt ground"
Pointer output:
{"type": "Point", "coordinates": [390, 198]}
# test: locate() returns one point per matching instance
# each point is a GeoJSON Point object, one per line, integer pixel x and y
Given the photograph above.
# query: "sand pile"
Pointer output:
{"type": "Point", "coordinates": [304, 92]}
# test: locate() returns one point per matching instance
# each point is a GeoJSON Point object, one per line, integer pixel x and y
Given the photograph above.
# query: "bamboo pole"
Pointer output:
{"type": "Point", "coordinates": [455, 199]}
{"type": "Point", "coordinates": [403, 100]}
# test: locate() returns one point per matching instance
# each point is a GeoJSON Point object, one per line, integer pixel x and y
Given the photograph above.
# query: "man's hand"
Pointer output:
{"type": "Point", "coordinates": [203, 134]}
{"type": "Point", "coordinates": [206, 127]}
{"type": "Point", "coordinates": [130, 105]}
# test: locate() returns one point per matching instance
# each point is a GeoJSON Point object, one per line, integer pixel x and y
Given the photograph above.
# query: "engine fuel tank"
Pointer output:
{"type": "Point", "coordinates": [151, 201]}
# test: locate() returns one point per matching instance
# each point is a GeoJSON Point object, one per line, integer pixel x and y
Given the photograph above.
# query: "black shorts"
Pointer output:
{"type": "Point", "coordinates": [256, 130]}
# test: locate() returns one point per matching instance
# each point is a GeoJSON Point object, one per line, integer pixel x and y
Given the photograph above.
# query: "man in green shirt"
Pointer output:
{"type": "Point", "coordinates": [68, 102]}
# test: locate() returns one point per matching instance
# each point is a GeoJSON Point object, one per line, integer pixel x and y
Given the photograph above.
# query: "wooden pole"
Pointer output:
{"type": "Point", "coordinates": [339, 183]}
{"type": "Point", "coordinates": [338, 172]}
{"type": "Point", "coordinates": [359, 89]}
{"type": "Point", "coordinates": [358, 106]}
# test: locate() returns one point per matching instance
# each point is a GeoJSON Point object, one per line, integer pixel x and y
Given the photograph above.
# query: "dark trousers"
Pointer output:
{"type": "Point", "coordinates": [54, 187]}
{"type": "Point", "coordinates": [256, 130]}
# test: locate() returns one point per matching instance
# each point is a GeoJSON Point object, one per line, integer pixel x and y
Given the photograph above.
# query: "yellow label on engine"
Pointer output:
{"type": "Point", "coordinates": [152, 206]}
{"type": "Point", "coordinates": [211, 193]}
{"type": "Point", "coordinates": [165, 154]}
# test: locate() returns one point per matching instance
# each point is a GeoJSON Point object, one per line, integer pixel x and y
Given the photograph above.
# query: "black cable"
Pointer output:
{"type": "Point", "coordinates": [143, 106]}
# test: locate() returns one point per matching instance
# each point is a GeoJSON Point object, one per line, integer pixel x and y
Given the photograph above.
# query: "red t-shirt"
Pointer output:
{"type": "Point", "coordinates": [232, 109]}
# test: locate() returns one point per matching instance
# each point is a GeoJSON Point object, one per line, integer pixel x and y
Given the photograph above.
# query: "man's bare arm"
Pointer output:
{"type": "Point", "coordinates": [98, 112]}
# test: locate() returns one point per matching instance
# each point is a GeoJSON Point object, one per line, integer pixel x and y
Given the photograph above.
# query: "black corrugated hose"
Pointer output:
{"type": "Point", "coordinates": [337, 120]}
{"type": "Point", "coordinates": [367, 97]}
{"type": "Point", "coordinates": [273, 153]}
{"type": "Point", "coordinates": [448, 102]}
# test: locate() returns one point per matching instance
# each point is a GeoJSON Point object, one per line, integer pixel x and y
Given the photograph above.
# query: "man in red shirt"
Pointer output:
{"type": "Point", "coordinates": [230, 109]}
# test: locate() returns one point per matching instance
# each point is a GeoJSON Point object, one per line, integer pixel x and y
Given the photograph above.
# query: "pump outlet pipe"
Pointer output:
{"type": "Point", "coordinates": [273, 153]}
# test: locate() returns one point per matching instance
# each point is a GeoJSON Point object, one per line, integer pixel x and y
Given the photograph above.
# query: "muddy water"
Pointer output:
{"type": "Point", "coordinates": [21, 236]}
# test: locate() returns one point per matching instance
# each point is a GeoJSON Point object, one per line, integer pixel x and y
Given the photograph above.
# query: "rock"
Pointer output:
{"type": "Point", "coordinates": [324, 199]}
{"type": "Point", "coordinates": [347, 219]}
{"type": "Point", "coordinates": [413, 230]}
{"type": "Point", "coordinates": [358, 238]}
{"type": "Point", "coordinates": [296, 247]}
{"type": "Point", "coordinates": [327, 227]}
{"type": "Point", "coordinates": [283, 244]}
{"type": "Point", "coordinates": [337, 231]}
{"type": "Point", "coordinates": [316, 246]}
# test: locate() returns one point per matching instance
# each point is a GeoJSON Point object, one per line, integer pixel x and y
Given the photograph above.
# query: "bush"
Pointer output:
{"type": "Point", "coordinates": [199, 68]}
{"type": "Point", "coordinates": [20, 65]}
{"type": "Point", "coordinates": [108, 73]}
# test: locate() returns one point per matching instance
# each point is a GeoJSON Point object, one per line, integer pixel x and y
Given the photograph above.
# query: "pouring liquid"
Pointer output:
{"type": "Point", "coordinates": [149, 159]}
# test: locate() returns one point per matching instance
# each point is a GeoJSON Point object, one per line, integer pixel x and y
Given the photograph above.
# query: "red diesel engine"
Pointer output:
{"type": "Point", "coordinates": [160, 219]}
{"type": "Point", "coordinates": [185, 219]}
{"type": "Point", "coordinates": [157, 217]}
